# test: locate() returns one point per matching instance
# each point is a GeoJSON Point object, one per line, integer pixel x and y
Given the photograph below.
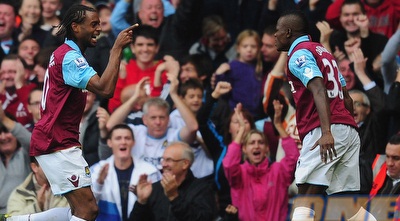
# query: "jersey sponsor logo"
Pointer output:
{"type": "Point", "coordinates": [80, 62]}
{"type": "Point", "coordinates": [300, 61]}
{"type": "Point", "coordinates": [74, 179]}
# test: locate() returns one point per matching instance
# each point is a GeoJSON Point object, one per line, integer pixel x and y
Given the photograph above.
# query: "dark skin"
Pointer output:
{"type": "Point", "coordinates": [82, 201]}
{"type": "Point", "coordinates": [85, 34]}
{"type": "Point", "coordinates": [287, 33]}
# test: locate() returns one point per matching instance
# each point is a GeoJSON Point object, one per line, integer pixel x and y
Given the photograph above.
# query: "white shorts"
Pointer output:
{"type": "Point", "coordinates": [340, 174]}
{"type": "Point", "coordinates": [66, 170]}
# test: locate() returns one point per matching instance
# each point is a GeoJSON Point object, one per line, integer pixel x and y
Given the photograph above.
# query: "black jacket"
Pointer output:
{"type": "Point", "coordinates": [195, 202]}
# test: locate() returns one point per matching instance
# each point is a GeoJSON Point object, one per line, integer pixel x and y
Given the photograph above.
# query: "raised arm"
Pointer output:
{"type": "Point", "coordinates": [233, 156]}
{"type": "Point", "coordinates": [121, 113]}
{"type": "Point", "coordinates": [105, 85]}
{"type": "Point", "coordinates": [188, 132]}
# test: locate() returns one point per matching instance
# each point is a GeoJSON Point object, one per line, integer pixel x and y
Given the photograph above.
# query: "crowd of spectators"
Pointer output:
{"type": "Point", "coordinates": [205, 73]}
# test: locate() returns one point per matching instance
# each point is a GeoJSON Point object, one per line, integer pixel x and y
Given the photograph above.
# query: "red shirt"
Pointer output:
{"type": "Point", "coordinates": [133, 75]}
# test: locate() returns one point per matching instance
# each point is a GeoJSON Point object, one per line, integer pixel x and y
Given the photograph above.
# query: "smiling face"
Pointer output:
{"type": "Point", "coordinates": [8, 71]}
{"type": "Point", "coordinates": [8, 143]}
{"type": "Point", "coordinates": [30, 11]}
{"type": "Point", "coordinates": [121, 142]}
{"type": "Point", "coordinates": [151, 12]}
{"type": "Point", "coordinates": [255, 148]}
{"type": "Point", "coordinates": [193, 99]}
{"type": "Point", "coordinates": [50, 8]}
{"type": "Point", "coordinates": [28, 49]}
{"type": "Point", "coordinates": [348, 14]}
{"type": "Point", "coordinates": [7, 21]}
{"type": "Point", "coordinates": [174, 161]}
{"type": "Point", "coordinates": [188, 71]}
{"type": "Point", "coordinates": [145, 49]}
{"type": "Point", "coordinates": [87, 31]}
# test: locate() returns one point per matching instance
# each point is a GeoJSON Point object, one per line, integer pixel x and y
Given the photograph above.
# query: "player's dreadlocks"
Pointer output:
{"type": "Point", "coordinates": [77, 14]}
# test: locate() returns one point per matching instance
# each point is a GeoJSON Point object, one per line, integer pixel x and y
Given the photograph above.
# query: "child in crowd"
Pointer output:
{"type": "Point", "coordinates": [245, 74]}
{"type": "Point", "coordinates": [191, 93]}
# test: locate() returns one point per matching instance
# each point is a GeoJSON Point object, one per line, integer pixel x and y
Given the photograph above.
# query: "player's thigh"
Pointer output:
{"type": "Point", "coordinates": [66, 170]}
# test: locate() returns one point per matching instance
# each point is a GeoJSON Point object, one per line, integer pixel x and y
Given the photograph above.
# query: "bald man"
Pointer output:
{"type": "Point", "coordinates": [179, 195]}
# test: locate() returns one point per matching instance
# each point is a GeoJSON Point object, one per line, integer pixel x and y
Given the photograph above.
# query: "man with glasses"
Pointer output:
{"type": "Point", "coordinates": [369, 110]}
{"type": "Point", "coordinates": [179, 195]}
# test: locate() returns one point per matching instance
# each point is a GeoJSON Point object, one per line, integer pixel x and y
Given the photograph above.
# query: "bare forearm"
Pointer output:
{"type": "Point", "coordinates": [105, 85]}
{"type": "Point", "coordinates": [120, 114]}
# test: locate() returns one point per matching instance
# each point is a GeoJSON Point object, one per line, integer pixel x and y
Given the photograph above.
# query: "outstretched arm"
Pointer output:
{"type": "Point", "coordinates": [120, 114]}
{"type": "Point", "coordinates": [105, 85]}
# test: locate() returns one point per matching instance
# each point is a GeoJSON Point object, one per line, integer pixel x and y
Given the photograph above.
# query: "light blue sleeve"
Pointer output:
{"type": "Point", "coordinates": [168, 8]}
{"type": "Point", "coordinates": [76, 70]}
{"type": "Point", "coordinates": [342, 80]}
{"type": "Point", "coordinates": [303, 65]}
{"type": "Point", "coordinates": [117, 20]}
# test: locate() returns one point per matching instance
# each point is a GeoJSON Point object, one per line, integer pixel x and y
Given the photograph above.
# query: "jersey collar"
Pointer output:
{"type": "Point", "coordinates": [297, 41]}
{"type": "Point", "coordinates": [72, 44]}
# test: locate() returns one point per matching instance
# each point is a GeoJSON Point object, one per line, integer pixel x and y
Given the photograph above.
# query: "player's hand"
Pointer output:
{"type": "Point", "coordinates": [125, 37]}
{"type": "Point", "coordinates": [326, 147]}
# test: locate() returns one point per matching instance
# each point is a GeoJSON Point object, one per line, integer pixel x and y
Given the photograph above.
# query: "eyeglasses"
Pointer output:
{"type": "Point", "coordinates": [169, 160]}
{"type": "Point", "coordinates": [359, 104]}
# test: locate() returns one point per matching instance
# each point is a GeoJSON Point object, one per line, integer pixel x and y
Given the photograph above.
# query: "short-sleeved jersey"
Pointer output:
{"type": "Point", "coordinates": [151, 149]}
{"type": "Point", "coordinates": [308, 60]}
{"type": "Point", "coordinates": [63, 100]}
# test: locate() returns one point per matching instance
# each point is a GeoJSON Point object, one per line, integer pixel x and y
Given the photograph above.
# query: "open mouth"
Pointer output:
{"type": "Point", "coordinates": [257, 153]}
